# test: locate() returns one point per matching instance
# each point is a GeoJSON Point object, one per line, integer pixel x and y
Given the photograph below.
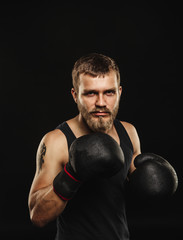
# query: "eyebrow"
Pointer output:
{"type": "Point", "coordinates": [94, 90]}
{"type": "Point", "coordinates": [110, 89]}
{"type": "Point", "coordinates": [86, 91]}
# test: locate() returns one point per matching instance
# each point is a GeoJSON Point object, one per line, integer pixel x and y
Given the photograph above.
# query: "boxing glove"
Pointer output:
{"type": "Point", "coordinates": [154, 176]}
{"type": "Point", "coordinates": [95, 155]}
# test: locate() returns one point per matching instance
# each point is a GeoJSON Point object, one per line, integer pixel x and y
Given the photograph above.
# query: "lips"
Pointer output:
{"type": "Point", "coordinates": [100, 113]}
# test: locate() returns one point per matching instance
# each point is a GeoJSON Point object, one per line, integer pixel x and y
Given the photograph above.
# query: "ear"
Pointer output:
{"type": "Point", "coordinates": [120, 90]}
{"type": "Point", "coordinates": [74, 94]}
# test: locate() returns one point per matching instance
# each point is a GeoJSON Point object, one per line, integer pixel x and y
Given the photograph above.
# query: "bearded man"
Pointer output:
{"type": "Point", "coordinates": [87, 198]}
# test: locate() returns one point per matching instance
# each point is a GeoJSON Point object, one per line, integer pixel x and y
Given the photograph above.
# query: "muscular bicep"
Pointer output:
{"type": "Point", "coordinates": [136, 148]}
{"type": "Point", "coordinates": [40, 158]}
{"type": "Point", "coordinates": [51, 156]}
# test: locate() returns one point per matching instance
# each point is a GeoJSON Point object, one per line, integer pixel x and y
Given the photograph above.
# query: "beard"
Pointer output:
{"type": "Point", "coordinates": [100, 123]}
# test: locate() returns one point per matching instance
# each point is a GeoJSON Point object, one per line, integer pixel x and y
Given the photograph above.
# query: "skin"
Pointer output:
{"type": "Point", "coordinates": [101, 93]}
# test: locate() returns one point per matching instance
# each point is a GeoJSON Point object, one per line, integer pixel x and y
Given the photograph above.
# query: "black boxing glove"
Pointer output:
{"type": "Point", "coordinates": [90, 156]}
{"type": "Point", "coordinates": [154, 176]}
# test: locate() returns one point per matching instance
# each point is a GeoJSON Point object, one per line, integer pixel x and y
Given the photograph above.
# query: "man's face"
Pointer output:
{"type": "Point", "coordinates": [98, 100]}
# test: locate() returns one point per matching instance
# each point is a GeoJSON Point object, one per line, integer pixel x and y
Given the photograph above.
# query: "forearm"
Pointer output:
{"type": "Point", "coordinates": [45, 206]}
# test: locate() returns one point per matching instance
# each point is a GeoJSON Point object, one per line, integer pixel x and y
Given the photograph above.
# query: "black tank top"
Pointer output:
{"type": "Point", "coordinates": [97, 211]}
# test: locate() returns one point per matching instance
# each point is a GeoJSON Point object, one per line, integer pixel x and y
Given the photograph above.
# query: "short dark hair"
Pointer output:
{"type": "Point", "coordinates": [94, 64]}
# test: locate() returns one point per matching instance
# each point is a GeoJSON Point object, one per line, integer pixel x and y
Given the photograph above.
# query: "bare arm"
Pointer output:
{"type": "Point", "coordinates": [135, 142]}
{"type": "Point", "coordinates": [52, 155]}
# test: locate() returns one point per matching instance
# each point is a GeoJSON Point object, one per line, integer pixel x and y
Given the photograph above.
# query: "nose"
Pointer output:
{"type": "Point", "coordinates": [100, 102]}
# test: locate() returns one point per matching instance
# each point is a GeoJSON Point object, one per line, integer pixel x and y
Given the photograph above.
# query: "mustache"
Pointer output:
{"type": "Point", "coordinates": [106, 110]}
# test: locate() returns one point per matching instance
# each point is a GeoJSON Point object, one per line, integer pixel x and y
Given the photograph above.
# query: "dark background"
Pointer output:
{"type": "Point", "coordinates": [39, 44]}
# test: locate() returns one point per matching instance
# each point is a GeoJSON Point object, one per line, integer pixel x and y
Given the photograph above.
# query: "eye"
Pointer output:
{"type": "Point", "coordinates": [110, 92]}
{"type": "Point", "coordinates": [90, 94]}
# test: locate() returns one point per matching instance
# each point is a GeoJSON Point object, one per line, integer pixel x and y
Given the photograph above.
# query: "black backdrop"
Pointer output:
{"type": "Point", "coordinates": [39, 44]}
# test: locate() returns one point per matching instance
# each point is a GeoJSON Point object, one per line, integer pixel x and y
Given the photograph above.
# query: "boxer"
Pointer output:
{"type": "Point", "coordinates": [82, 165]}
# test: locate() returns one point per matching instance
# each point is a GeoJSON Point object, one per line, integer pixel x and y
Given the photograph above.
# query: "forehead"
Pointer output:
{"type": "Point", "coordinates": [108, 80]}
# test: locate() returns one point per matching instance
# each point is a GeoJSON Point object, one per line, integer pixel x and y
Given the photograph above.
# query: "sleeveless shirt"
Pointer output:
{"type": "Point", "coordinates": [97, 211]}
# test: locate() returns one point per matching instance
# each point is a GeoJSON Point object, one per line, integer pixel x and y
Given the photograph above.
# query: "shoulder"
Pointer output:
{"type": "Point", "coordinates": [128, 125]}
{"type": "Point", "coordinates": [55, 137]}
{"type": "Point", "coordinates": [132, 133]}
{"type": "Point", "coordinates": [129, 128]}
{"type": "Point", "coordinates": [55, 145]}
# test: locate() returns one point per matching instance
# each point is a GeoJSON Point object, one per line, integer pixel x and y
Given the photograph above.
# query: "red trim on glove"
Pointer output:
{"type": "Point", "coordinates": [70, 175]}
{"type": "Point", "coordinates": [63, 198]}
